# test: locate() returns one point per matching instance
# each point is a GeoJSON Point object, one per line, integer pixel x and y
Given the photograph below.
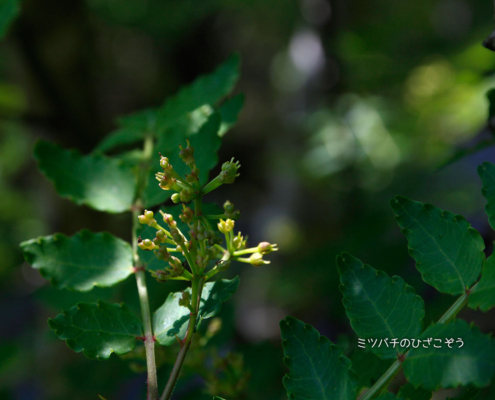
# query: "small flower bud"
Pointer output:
{"type": "Point", "coordinates": [239, 242]}
{"type": "Point", "coordinates": [266, 248]}
{"type": "Point", "coordinates": [176, 198]}
{"type": "Point", "coordinates": [164, 163]}
{"type": "Point", "coordinates": [146, 218]}
{"type": "Point", "coordinates": [160, 237]}
{"type": "Point", "coordinates": [226, 226]}
{"type": "Point", "coordinates": [229, 171]}
{"type": "Point", "coordinates": [176, 236]}
{"type": "Point", "coordinates": [256, 259]}
{"type": "Point", "coordinates": [160, 275]}
{"type": "Point", "coordinates": [187, 215]}
{"type": "Point", "coordinates": [169, 219]}
{"type": "Point", "coordinates": [230, 212]}
{"type": "Point", "coordinates": [177, 268]}
{"type": "Point", "coordinates": [162, 254]}
{"type": "Point", "coordinates": [193, 176]}
{"type": "Point", "coordinates": [185, 195]}
{"type": "Point", "coordinates": [187, 154]}
{"type": "Point", "coordinates": [147, 244]}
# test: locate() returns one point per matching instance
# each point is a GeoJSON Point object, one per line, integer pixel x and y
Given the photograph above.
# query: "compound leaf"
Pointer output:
{"type": "Point", "coordinates": [469, 362]}
{"type": "Point", "coordinates": [202, 132]}
{"type": "Point", "coordinates": [80, 262]}
{"type": "Point", "coordinates": [97, 181]}
{"type": "Point", "coordinates": [409, 392]}
{"type": "Point", "coordinates": [448, 252]}
{"type": "Point", "coordinates": [98, 329]}
{"type": "Point", "coordinates": [171, 319]}
{"type": "Point", "coordinates": [318, 369]}
{"type": "Point", "coordinates": [486, 171]}
{"type": "Point", "coordinates": [375, 304]}
{"type": "Point", "coordinates": [483, 296]}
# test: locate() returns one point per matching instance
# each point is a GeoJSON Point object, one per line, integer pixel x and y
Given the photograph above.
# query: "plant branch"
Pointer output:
{"type": "Point", "coordinates": [396, 367]}
{"type": "Point", "coordinates": [149, 341]}
{"type": "Point", "coordinates": [197, 288]}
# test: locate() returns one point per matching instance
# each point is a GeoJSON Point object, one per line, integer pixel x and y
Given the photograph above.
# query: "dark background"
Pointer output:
{"type": "Point", "coordinates": [348, 103]}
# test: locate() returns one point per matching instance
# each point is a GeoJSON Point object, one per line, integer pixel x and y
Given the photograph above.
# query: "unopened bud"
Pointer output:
{"type": "Point", "coordinates": [256, 259]}
{"type": "Point", "coordinates": [226, 226]}
{"type": "Point", "coordinates": [147, 244]}
{"type": "Point", "coordinates": [267, 248]}
{"type": "Point", "coordinates": [187, 154]}
{"type": "Point", "coordinates": [187, 214]}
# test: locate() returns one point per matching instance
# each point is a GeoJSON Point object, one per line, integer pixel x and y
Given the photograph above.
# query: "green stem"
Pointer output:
{"type": "Point", "coordinates": [149, 341]}
{"type": "Point", "coordinates": [396, 367]}
{"type": "Point", "coordinates": [197, 288]}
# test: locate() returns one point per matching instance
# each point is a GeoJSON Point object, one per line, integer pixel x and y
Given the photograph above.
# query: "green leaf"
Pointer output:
{"type": "Point", "coordinates": [473, 363]}
{"type": "Point", "coordinates": [229, 111]}
{"type": "Point", "coordinates": [80, 262]}
{"type": "Point", "coordinates": [409, 392]}
{"type": "Point", "coordinates": [448, 252]}
{"type": "Point", "coordinates": [375, 305]}
{"type": "Point", "coordinates": [148, 258]}
{"type": "Point", "coordinates": [207, 89]}
{"type": "Point", "coordinates": [486, 171]}
{"type": "Point", "coordinates": [318, 369]}
{"type": "Point", "coordinates": [98, 329]}
{"type": "Point", "coordinates": [206, 143]}
{"type": "Point", "coordinates": [470, 394]}
{"type": "Point", "coordinates": [132, 129]}
{"type": "Point", "coordinates": [120, 137]}
{"type": "Point", "coordinates": [94, 180]}
{"type": "Point", "coordinates": [171, 319]}
{"type": "Point", "coordinates": [9, 9]}
{"type": "Point", "coordinates": [483, 296]}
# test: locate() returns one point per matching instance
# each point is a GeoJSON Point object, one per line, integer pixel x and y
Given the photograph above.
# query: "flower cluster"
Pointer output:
{"type": "Point", "coordinates": [193, 237]}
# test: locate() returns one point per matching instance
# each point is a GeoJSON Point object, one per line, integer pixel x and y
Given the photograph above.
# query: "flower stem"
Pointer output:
{"type": "Point", "coordinates": [197, 288]}
{"type": "Point", "coordinates": [149, 341]}
{"type": "Point", "coordinates": [396, 367]}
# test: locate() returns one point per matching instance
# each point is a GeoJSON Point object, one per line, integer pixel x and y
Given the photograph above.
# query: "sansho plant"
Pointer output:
{"type": "Point", "coordinates": [384, 311]}
{"type": "Point", "coordinates": [195, 241]}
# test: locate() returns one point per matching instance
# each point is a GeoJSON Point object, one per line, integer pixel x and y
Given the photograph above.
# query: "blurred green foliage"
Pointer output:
{"type": "Point", "coordinates": [347, 104]}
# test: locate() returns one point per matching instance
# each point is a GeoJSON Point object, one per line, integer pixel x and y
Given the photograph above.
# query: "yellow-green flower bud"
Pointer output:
{"type": "Point", "coordinates": [176, 198]}
{"type": "Point", "coordinates": [164, 163]}
{"type": "Point", "coordinates": [147, 244]}
{"type": "Point", "coordinates": [161, 237]}
{"type": "Point", "coordinates": [256, 259]}
{"type": "Point", "coordinates": [169, 219]}
{"type": "Point", "coordinates": [267, 248]}
{"type": "Point", "coordinates": [226, 226]}
{"type": "Point", "coordinates": [239, 242]}
{"type": "Point", "coordinates": [146, 218]}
